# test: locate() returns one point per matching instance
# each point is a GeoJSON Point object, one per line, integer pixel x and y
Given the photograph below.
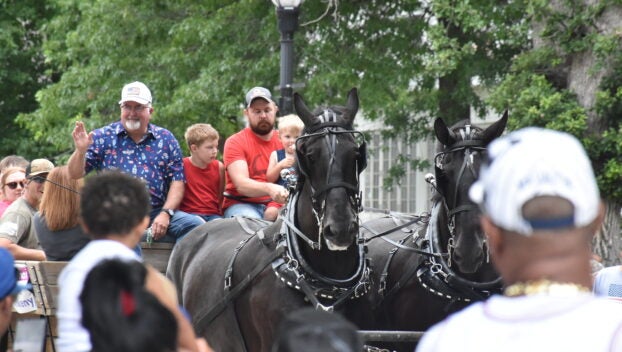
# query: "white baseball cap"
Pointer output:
{"type": "Point", "coordinates": [135, 91]}
{"type": "Point", "coordinates": [534, 162]}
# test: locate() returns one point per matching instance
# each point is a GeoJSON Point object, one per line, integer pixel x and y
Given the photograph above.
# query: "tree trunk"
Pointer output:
{"type": "Point", "coordinates": [607, 242]}
{"type": "Point", "coordinates": [583, 80]}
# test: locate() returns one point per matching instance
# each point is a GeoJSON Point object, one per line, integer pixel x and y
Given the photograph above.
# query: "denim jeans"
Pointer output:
{"type": "Point", "coordinates": [181, 223]}
{"type": "Point", "coordinates": [208, 218]}
{"type": "Point", "coordinates": [249, 210]}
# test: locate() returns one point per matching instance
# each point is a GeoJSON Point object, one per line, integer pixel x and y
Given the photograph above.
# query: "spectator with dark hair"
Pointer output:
{"type": "Point", "coordinates": [114, 211]}
{"type": "Point", "coordinates": [17, 232]}
{"type": "Point", "coordinates": [311, 330]}
{"type": "Point", "coordinates": [56, 222]}
{"type": "Point", "coordinates": [246, 157]}
{"type": "Point", "coordinates": [12, 181]}
{"type": "Point", "coordinates": [120, 312]}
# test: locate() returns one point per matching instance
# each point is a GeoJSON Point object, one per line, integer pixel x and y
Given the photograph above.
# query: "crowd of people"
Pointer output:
{"type": "Point", "coordinates": [538, 195]}
{"type": "Point", "coordinates": [142, 189]}
{"type": "Point", "coordinates": [39, 202]}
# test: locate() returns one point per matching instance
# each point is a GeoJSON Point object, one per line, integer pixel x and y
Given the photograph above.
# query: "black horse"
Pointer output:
{"type": "Point", "coordinates": [425, 267]}
{"type": "Point", "coordinates": [238, 277]}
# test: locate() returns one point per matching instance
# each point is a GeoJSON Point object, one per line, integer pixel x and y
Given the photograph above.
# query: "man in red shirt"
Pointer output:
{"type": "Point", "coordinates": [246, 156]}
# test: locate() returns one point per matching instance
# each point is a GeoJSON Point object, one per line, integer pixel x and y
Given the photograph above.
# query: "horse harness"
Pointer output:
{"type": "Point", "coordinates": [470, 146]}
{"type": "Point", "coordinates": [434, 273]}
{"type": "Point", "coordinates": [328, 128]}
{"type": "Point", "coordinates": [432, 269]}
{"type": "Point", "coordinates": [287, 262]}
{"type": "Point", "coordinates": [323, 292]}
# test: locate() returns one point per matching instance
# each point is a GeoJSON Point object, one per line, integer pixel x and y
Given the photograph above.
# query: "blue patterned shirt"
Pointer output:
{"type": "Point", "coordinates": [157, 158]}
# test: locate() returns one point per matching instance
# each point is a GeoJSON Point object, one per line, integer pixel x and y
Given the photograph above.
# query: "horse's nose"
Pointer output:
{"type": "Point", "coordinates": [341, 236]}
{"type": "Point", "coordinates": [470, 263]}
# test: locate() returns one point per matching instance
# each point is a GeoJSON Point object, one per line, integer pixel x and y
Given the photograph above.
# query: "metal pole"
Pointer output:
{"type": "Point", "coordinates": [288, 23]}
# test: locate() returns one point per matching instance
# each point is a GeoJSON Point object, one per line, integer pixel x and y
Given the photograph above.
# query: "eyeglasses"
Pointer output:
{"type": "Point", "coordinates": [38, 179]}
{"type": "Point", "coordinates": [136, 109]}
{"type": "Point", "coordinates": [13, 185]}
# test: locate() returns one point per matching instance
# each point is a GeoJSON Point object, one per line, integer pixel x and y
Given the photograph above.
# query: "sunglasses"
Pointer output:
{"type": "Point", "coordinates": [38, 179]}
{"type": "Point", "coordinates": [13, 185]}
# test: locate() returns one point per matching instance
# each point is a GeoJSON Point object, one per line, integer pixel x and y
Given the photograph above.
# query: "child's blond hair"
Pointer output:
{"type": "Point", "coordinates": [291, 122]}
{"type": "Point", "coordinates": [200, 132]}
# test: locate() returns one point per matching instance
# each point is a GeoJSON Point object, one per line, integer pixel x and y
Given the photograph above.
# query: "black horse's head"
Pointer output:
{"type": "Point", "coordinates": [457, 163]}
{"type": "Point", "coordinates": [331, 156]}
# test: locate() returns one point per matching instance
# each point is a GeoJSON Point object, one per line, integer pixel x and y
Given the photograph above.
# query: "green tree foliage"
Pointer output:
{"type": "Point", "coordinates": [411, 60]}
{"type": "Point", "coordinates": [22, 69]}
{"type": "Point", "coordinates": [537, 85]}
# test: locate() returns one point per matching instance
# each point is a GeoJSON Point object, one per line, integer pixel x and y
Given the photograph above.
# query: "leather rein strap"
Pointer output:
{"type": "Point", "coordinates": [232, 293]}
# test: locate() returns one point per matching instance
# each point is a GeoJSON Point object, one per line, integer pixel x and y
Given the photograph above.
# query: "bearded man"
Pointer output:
{"type": "Point", "coordinates": [146, 151]}
{"type": "Point", "coordinates": [246, 157]}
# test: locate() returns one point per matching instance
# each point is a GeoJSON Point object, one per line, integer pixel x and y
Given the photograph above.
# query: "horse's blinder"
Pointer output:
{"type": "Point", "coordinates": [327, 129]}
{"type": "Point", "coordinates": [361, 161]}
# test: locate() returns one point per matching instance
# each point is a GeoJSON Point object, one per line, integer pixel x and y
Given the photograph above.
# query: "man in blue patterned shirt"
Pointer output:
{"type": "Point", "coordinates": [143, 150]}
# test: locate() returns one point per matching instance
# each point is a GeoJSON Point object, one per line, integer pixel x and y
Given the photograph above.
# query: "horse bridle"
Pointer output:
{"type": "Point", "coordinates": [305, 279]}
{"type": "Point", "coordinates": [328, 130]}
{"type": "Point", "coordinates": [470, 146]}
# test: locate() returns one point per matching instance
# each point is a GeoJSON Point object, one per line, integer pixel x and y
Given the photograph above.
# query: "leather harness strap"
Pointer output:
{"type": "Point", "coordinates": [231, 294]}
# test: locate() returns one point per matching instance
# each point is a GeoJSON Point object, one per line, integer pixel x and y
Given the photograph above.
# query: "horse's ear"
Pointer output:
{"type": "Point", "coordinates": [496, 129]}
{"type": "Point", "coordinates": [353, 104]}
{"type": "Point", "coordinates": [302, 111]}
{"type": "Point", "coordinates": [443, 134]}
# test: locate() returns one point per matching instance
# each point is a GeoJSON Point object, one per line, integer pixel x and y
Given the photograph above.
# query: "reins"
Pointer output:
{"type": "Point", "coordinates": [438, 260]}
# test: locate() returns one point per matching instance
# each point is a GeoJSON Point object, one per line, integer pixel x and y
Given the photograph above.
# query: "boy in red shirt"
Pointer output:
{"type": "Point", "coordinates": [205, 175]}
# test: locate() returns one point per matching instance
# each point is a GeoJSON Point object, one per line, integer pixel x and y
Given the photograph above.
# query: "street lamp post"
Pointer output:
{"type": "Point", "coordinates": [287, 13]}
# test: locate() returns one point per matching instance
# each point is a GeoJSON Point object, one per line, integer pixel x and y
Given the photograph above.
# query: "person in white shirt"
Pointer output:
{"type": "Point", "coordinates": [114, 211]}
{"type": "Point", "coordinates": [608, 282]}
{"type": "Point", "coordinates": [541, 208]}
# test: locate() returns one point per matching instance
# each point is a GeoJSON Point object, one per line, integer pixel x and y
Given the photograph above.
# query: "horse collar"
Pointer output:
{"type": "Point", "coordinates": [293, 270]}
{"type": "Point", "coordinates": [440, 269]}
